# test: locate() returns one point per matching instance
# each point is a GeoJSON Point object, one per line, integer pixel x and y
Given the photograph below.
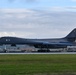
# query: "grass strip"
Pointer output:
{"type": "Point", "coordinates": [38, 64]}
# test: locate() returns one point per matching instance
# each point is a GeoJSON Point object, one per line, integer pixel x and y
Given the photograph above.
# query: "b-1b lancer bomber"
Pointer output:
{"type": "Point", "coordinates": [69, 40]}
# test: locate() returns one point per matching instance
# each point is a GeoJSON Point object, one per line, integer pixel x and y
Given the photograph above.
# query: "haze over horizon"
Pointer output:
{"type": "Point", "coordinates": [37, 18]}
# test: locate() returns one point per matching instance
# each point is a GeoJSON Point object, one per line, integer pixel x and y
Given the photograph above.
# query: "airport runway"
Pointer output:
{"type": "Point", "coordinates": [41, 53]}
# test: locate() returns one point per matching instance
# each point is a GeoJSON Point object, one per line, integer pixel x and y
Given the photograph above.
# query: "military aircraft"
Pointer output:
{"type": "Point", "coordinates": [69, 40]}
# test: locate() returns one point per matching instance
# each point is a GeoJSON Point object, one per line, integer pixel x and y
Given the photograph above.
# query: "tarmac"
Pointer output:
{"type": "Point", "coordinates": [40, 53]}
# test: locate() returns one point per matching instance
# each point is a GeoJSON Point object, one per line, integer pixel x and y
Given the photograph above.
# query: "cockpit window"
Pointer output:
{"type": "Point", "coordinates": [7, 39]}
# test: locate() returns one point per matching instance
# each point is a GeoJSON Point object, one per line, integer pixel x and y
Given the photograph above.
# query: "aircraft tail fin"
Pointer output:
{"type": "Point", "coordinates": [71, 36]}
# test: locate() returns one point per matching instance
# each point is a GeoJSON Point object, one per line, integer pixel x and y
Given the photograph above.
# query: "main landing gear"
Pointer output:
{"type": "Point", "coordinates": [43, 50]}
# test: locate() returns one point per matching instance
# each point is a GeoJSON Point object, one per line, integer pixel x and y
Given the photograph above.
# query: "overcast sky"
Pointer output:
{"type": "Point", "coordinates": [37, 18]}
